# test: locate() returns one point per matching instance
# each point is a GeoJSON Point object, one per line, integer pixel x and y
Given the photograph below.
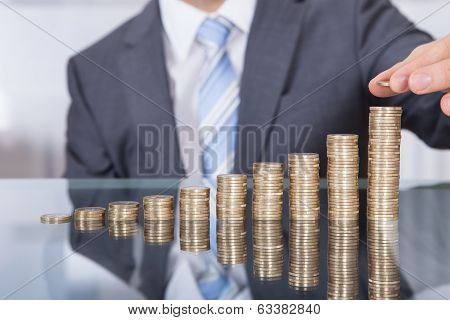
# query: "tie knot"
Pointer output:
{"type": "Point", "coordinates": [214, 32]}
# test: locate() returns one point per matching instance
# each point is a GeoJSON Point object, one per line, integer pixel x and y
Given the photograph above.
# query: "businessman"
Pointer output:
{"type": "Point", "coordinates": [195, 88]}
{"type": "Point", "coordinates": [283, 63]}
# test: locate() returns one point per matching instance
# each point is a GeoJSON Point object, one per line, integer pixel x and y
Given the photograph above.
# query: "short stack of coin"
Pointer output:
{"type": "Point", "coordinates": [231, 206]}
{"type": "Point", "coordinates": [343, 216]}
{"type": "Point", "coordinates": [194, 219]}
{"type": "Point", "coordinates": [56, 218]}
{"type": "Point", "coordinates": [382, 202]}
{"type": "Point", "coordinates": [158, 219]}
{"type": "Point", "coordinates": [268, 183]}
{"type": "Point", "coordinates": [123, 219]}
{"type": "Point", "coordinates": [89, 219]}
{"type": "Point", "coordinates": [304, 221]}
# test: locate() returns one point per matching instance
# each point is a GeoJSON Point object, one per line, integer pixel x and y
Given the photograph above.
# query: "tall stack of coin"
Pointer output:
{"type": "Point", "coordinates": [194, 219]}
{"type": "Point", "coordinates": [123, 219]}
{"type": "Point", "coordinates": [268, 183]}
{"type": "Point", "coordinates": [343, 216]}
{"type": "Point", "coordinates": [231, 206]}
{"type": "Point", "coordinates": [304, 224]}
{"type": "Point", "coordinates": [89, 219]}
{"type": "Point", "coordinates": [382, 202]}
{"type": "Point", "coordinates": [158, 219]}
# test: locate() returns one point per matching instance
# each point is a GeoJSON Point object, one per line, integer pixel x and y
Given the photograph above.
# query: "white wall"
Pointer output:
{"type": "Point", "coordinates": [33, 91]}
{"type": "Point", "coordinates": [34, 98]}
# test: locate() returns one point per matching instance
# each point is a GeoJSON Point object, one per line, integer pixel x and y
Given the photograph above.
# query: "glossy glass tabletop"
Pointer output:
{"type": "Point", "coordinates": [56, 262]}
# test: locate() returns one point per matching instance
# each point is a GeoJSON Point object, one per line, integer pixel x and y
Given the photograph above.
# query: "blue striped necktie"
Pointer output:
{"type": "Point", "coordinates": [218, 101]}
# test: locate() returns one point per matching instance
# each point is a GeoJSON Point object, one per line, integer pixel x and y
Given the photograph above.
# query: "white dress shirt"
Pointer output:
{"type": "Point", "coordinates": [185, 58]}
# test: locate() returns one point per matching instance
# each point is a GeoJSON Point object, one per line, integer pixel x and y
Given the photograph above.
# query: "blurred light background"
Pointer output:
{"type": "Point", "coordinates": [33, 91]}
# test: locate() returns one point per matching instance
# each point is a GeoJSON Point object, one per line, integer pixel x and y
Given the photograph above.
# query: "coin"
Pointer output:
{"type": "Point", "coordinates": [89, 219]}
{"type": "Point", "coordinates": [267, 210]}
{"type": "Point", "coordinates": [382, 201]}
{"type": "Point", "coordinates": [304, 228]}
{"type": "Point", "coordinates": [343, 215]}
{"type": "Point", "coordinates": [56, 218]}
{"type": "Point", "coordinates": [122, 219]}
{"type": "Point", "coordinates": [158, 219]}
{"type": "Point", "coordinates": [194, 219]}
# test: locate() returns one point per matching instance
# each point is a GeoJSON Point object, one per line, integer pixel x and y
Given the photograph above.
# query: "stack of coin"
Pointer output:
{"type": "Point", "coordinates": [343, 216]}
{"type": "Point", "coordinates": [382, 202]}
{"type": "Point", "coordinates": [123, 219]}
{"type": "Point", "coordinates": [194, 219]}
{"type": "Point", "coordinates": [268, 183]}
{"type": "Point", "coordinates": [304, 221]}
{"type": "Point", "coordinates": [56, 218]}
{"type": "Point", "coordinates": [89, 219]}
{"type": "Point", "coordinates": [158, 219]}
{"type": "Point", "coordinates": [231, 206]}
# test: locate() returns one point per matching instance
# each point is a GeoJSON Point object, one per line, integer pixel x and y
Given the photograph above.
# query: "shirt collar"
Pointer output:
{"type": "Point", "coordinates": [181, 21]}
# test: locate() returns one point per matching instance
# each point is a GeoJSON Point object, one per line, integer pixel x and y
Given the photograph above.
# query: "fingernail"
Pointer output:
{"type": "Point", "coordinates": [399, 83]}
{"type": "Point", "coordinates": [421, 81]}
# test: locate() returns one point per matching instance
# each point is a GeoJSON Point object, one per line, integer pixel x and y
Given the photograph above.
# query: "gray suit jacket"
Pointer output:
{"type": "Point", "coordinates": [307, 67]}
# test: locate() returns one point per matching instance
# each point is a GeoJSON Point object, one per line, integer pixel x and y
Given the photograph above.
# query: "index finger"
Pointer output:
{"type": "Point", "coordinates": [384, 92]}
{"type": "Point", "coordinates": [378, 90]}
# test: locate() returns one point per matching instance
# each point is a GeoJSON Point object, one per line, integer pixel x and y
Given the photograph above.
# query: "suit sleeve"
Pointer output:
{"type": "Point", "coordinates": [86, 155]}
{"type": "Point", "coordinates": [383, 38]}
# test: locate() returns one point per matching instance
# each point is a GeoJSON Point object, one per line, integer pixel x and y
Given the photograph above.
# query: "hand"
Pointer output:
{"type": "Point", "coordinates": [426, 70]}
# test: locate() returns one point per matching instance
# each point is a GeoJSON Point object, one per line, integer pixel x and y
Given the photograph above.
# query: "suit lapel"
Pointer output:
{"type": "Point", "coordinates": [272, 42]}
{"type": "Point", "coordinates": [143, 72]}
